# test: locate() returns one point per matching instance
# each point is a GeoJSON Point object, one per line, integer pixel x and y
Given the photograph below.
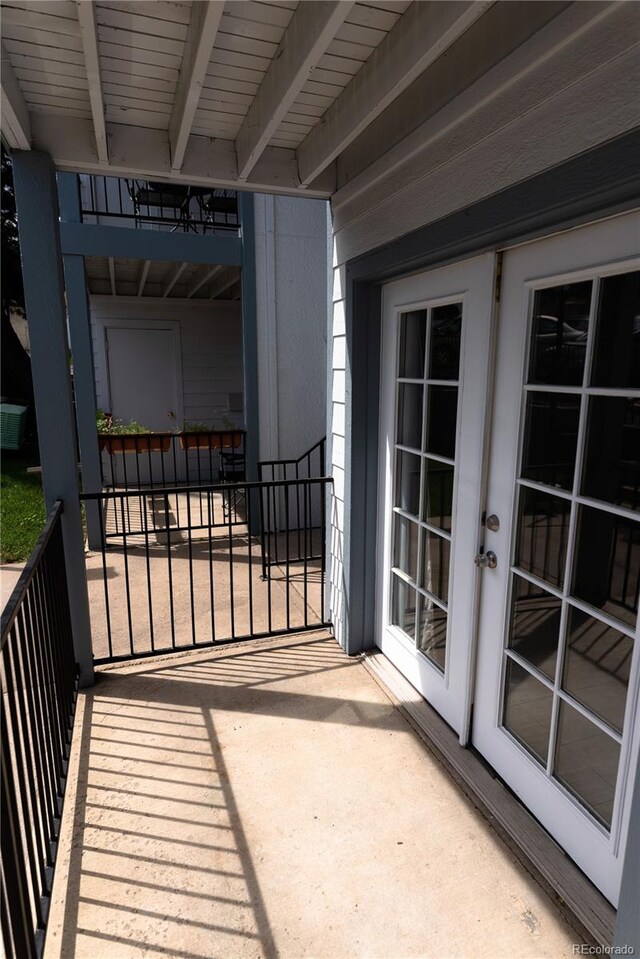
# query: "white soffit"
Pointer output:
{"type": "Point", "coordinates": [262, 95]}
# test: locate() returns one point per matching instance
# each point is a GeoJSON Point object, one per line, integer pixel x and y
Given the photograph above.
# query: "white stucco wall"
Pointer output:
{"type": "Point", "coordinates": [292, 263]}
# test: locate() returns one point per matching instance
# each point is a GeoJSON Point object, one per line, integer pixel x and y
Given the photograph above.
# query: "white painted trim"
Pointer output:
{"type": "Point", "coordinates": [138, 152]}
{"type": "Point", "coordinates": [112, 276]}
{"type": "Point", "coordinates": [202, 275]}
{"type": "Point", "coordinates": [201, 35]}
{"type": "Point", "coordinates": [144, 272]}
{"type": "Point", "coordinates": [270, 418]}
{"type": "Point", "coordinates": [89, 36]}
{"type": "Point", "coordinates": [171, 278]}
{"type": "Point", "coordinates": [16, 124]}
{"type": "Point", "coordinates": [310, 31]}
{"type": "Point", "coordinates": [421, 35]}
{"type": "Point", "coordinates": [226, 280]}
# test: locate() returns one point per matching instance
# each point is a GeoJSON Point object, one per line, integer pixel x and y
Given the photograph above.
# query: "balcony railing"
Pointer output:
{"type": "Point", "coordinates": [39, 683]}
{"type": "Point", "coordinates": [149, 204]}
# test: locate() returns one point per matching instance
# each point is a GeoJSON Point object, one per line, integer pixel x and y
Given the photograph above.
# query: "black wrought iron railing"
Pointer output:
{"type": "Point", "coordinates": [150, 204]}
{"type": "Point", "coordinates": [282, 510]}
{"type": "Point", "coordinates": [39, 686]}
{"type": "Point", "coordinates": [181, 567]}
{"type": "Point", "coordinates": [150, 460]}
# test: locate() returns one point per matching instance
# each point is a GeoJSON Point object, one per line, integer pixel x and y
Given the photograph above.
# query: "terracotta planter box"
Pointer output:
{"type": "Point", "coordinates": [134, 443]}
{"type": "Point", "coordinates": [211, 441]}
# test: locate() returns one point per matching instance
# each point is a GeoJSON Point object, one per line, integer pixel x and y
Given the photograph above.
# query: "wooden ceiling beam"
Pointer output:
{"type": "Point", "coordinates": [421, 35]}
{"type": "Point", "coordinates": [312, 28]}
{"type": "Point", "coordinates": [89, 38]}
{"type": "Point", "coordinates": [201, 35]}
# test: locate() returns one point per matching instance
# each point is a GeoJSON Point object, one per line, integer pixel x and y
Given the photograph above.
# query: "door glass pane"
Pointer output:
{"type": "Point", "coordinates": [586, 762]}
{"type": "Point", "coordinates": [442, 408]}
{"type": "Point", "coordinates": [409, 415]}
{"type": "Point", "coordinates": [607, 564]}
{"type": "Point", "coordinates": [436, 552]}
{"type": "Point", "coordinates": [432, 632]}
{"type": "Point", "coordinates": [551, 438]}
{"type": "Point", "coordinates": [408, 482]}
{"type": "Point", "coordinates": [535, 625]}
{"type": "Point", "coordinates": [444, 349]}
{"type": "Point", "coordinates": [413, 338]}
{"type": "Point", "coordinates": [596, 666]}
{"type": "Point", "coordinates": [437, 504]}
{"type": "Point", "coordinates": [559, 334]}
{"type": "Point", "coordinates": [617, 350]}
{"type": "Point", "coordinates": [612, 463]}
{"type": "Point", "coordinates": [403, 606]}
{"type": "Point", "coordinates": [527, 710]}
{"type": "Point", "coordinates": [543, 530]}
{"type": "Point", "coordinates": [405, 546]}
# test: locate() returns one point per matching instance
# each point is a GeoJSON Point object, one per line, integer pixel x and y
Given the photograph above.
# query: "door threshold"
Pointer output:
{"type": "Point", "coordinates": [574, 894]}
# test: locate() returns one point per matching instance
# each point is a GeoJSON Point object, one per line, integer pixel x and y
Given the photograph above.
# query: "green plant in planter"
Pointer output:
{"type": "Point", "coordinates": [116, 436]}
{"type": "Point", "coordinates": [107, 424]}
{"type": "Point", "coordinates": [195, 428]}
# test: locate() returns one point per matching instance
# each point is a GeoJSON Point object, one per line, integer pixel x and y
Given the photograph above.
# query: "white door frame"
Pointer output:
{"type": "Point", "coordinates": [589, 844]}
{"type": "Point", "coordinates": [472, 283]}
{"type": "Point", "coordinates": [104, 324]}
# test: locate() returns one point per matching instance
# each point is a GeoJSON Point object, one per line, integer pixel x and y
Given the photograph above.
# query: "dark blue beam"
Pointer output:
{"type": "Point", "coordinates": [88, 239]}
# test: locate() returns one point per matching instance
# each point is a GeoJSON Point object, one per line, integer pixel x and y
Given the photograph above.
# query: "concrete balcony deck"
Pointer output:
{"type": "Point", "coordinates": [270, 800]}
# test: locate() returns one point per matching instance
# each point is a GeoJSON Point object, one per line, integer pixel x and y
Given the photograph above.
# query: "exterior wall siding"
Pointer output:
{"type": "Point", "coordinates": [567, 89]}
{"type": "Point", "coordinates": [211, 347]}
{"type": "Point", "coordinates": [291, 269]}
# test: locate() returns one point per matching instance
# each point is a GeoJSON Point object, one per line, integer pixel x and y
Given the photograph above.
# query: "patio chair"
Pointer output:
{"type": "Point", "coordinates": [169, 202]}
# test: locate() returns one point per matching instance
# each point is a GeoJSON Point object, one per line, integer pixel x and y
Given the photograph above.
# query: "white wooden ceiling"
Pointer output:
{"type": "Point", "coordinates": [112, 276]}
{"type": "Point", "coordinates": [260, 95]}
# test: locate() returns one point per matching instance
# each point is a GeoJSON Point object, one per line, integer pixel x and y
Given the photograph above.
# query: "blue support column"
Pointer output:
{"type": "Point", "coordinates": [38, 221]}
{"type": "Point", "coordinates": [249, 333]}
{"type": "Point", "coordinates": [82, 352]}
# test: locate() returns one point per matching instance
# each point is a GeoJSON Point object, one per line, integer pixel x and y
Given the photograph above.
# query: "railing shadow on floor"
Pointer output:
{"type": "Point", "coordinates": [159, 858]}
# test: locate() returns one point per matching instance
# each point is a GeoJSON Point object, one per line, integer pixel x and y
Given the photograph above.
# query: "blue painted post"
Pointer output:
{"type": "Point", "coordinates": [37, 204]}
{"type": "Point", "coordinates": [82, 352]}
{"type": "Point", "coordinates": [250, 341]}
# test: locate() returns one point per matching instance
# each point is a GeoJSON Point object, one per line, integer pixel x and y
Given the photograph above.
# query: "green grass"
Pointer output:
{"type": "Point", "coordinates": [22, 512]}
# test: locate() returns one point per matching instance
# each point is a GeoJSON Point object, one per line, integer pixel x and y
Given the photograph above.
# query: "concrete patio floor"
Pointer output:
{"type": "Point", "coordinates": [269, 800]}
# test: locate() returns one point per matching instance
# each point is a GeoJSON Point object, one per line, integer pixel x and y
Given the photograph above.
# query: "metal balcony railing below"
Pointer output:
{"type": "Point", "coordinates": [39, 685]}
{"type": "Point", "coordinates": [150, 204]}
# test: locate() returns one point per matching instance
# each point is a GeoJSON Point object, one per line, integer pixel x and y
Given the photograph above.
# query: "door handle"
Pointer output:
{"type": "Point", "coordinates": [489, 560]}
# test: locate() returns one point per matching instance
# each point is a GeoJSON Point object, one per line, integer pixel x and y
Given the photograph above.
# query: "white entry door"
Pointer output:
{"type": "Point", "coordinates": [556, 700]}
{"type": "Point", "coordinates": [144, 365]}
{"type": "Point", "coordinates": [435, 362]}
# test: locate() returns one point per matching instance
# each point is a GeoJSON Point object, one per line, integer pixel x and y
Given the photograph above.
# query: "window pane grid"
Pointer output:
{"type": "Point", "coordinates": [587, 692]}
{"type": "Point", "coordinates": [423, 473]}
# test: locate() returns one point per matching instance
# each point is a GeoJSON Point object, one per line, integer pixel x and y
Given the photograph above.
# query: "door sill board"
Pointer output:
{"type": "Point", "coordinates": [575, 895]}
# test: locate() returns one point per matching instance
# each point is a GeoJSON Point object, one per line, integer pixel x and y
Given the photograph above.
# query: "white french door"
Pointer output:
{"type": "Point", "coordinates": [556, 698]}
{"type": "Point", "coordinates": [542, 636]}
{"type": "Point", "coordinates": [436, 356]}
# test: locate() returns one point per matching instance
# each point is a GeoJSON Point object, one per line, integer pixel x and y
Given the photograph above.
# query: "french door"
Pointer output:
{"type": "Point", "coordinates": [556, 699]}
{"type": "Point", "coordinates": [509, 536]}
{"type": "Point", "coordinates": [436, 356]}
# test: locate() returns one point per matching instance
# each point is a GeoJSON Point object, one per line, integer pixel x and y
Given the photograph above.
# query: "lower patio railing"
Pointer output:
{"type": "Point", "coordinates": [39, 684]}
{"type": "Point", "coordinates": [183, 566]}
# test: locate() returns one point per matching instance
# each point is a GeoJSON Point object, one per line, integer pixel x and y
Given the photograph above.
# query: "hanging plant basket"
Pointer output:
{"type": "Point", "coordinates": [134, 443]}
{"type": "Point", "coordinates": [214, 440]}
